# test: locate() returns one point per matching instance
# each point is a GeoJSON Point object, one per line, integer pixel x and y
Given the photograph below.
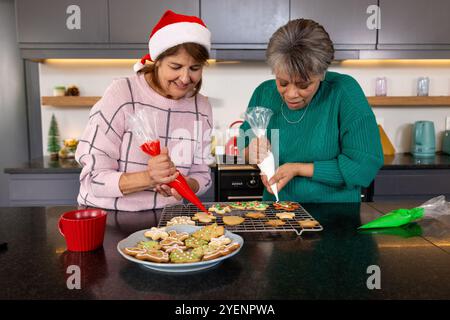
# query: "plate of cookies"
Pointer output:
{"type": "Point", "coordinates": [180, 248]}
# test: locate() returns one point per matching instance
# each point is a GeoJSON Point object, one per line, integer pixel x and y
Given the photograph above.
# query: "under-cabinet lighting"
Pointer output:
{"type": "Point", "coordinates": [395, 63]}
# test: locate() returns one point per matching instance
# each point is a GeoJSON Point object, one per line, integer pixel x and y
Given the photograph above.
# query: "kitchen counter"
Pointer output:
{"type": "Point", "coordinates": [398, 161]}
{"type": "Point", "coordinates": [46, 165]}
{"type": "Point", "coordinates": [407, 161]}
{"type": "Point", "coordinates": [331, 264]}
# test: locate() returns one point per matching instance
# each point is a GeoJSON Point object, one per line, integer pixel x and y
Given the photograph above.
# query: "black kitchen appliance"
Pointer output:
{"type": "Point", "coordinates": [237, 181]}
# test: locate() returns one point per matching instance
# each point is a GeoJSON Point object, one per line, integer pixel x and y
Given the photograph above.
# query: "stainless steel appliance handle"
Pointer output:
{"type": "Point", "coordinates": [243, 197]}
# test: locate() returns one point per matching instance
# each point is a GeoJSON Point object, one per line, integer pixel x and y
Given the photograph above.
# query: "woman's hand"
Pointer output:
{"type": "Point", "coordinates": [167, 191]}
{"type": "Point", "coordinates": [287, 171]}
{"type": "Point", "coordinates": [258, 150]}
{"type": "Point", "coordinates": [160, 169]}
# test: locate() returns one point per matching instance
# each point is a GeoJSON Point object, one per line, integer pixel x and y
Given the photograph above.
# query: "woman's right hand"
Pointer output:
{"type": "Point", "coordinates": [161, 170]}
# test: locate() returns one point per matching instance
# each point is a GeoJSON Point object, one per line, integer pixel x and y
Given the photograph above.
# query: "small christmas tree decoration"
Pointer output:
{"type": "Point", "coordinates": [53, 139]}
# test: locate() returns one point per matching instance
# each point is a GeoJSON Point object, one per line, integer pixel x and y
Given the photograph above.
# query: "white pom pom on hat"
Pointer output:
{"type": "Point", "coordinates": [174, 29]}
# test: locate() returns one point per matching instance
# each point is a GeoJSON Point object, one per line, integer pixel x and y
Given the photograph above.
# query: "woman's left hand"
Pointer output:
{"type": "Point", "coordinates": [166, 191]}
{"type": "Point", "coordinates": [287, 171]}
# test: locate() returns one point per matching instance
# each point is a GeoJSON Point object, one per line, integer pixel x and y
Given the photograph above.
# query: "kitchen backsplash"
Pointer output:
{"type": "Point", "coordinates": [229, 86]}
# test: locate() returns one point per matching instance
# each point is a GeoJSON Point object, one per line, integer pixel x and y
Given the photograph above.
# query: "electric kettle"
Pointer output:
{"type": "Point", "coordinates": [423, 142]}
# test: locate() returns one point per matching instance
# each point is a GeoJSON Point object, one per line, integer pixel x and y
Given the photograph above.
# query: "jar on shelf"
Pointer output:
{"type": "Point", "coordinates": [59, 91]}
{"type": "Point", "coordinates": [381, 87]}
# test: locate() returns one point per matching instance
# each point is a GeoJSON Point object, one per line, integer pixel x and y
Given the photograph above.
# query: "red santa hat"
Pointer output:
{"type": "Point", "coordinates": [174, 29]}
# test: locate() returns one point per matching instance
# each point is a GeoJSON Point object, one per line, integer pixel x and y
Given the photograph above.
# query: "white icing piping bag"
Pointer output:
{"type": "Point", "coordinates": [267, 167]}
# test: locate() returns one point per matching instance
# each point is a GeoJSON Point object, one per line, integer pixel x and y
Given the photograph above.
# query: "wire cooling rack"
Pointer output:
{"type": "Point", "coordinates": [249, 224]}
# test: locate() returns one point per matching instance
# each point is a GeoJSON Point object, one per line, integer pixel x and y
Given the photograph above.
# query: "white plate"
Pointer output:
{"type": "Point", "coordinates": [138, 236]}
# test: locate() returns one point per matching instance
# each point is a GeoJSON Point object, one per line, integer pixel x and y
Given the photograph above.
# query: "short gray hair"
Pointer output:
{"type": "Point", "coordinates": [302, 48]}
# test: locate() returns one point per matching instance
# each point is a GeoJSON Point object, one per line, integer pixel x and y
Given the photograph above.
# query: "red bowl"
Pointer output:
{"type": "Point", "coordinates": [84, 230]}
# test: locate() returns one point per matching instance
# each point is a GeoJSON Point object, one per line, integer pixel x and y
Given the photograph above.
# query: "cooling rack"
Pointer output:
{"type": "Point", "coordinates": [249, 224]}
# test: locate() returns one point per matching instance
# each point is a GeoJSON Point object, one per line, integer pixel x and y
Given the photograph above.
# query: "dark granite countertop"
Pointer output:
{"type": "Point", "coordinates": [398, 161]}
{"type": "Point", "coordinates": [407, 161]}
{"type": "Point", "coordinates": [332, 264]}
{"type": "Point", "coordinates": [46, 165]}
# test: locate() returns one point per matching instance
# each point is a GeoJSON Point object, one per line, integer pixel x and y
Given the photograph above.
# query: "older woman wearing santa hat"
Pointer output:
{"type": "Point", "coordinates": [116, 174]}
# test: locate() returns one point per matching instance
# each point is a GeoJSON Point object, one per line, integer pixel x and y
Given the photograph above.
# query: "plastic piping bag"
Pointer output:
{"type": "Point", "coordinates": [143, 125]}
{"type": "Point", "coordinates": [258, 118]}
{"type": "Point", "coordinates": [433, 208]}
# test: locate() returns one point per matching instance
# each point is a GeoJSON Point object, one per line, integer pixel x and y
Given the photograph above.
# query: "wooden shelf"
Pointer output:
{"type": "Point", "coordinates": [409, 101]}
{"type": "Point", "coordinates": [67, 101]}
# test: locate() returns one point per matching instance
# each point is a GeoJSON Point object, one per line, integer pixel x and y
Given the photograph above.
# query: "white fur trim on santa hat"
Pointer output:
{"type": "Point", "coordinates": [178, 33]}
{"type": "Point", "coordinates": [138, 66]}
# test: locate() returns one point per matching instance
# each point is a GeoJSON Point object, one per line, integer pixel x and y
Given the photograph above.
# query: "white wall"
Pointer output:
{"type": "Point", "coordinates": [230, 85]}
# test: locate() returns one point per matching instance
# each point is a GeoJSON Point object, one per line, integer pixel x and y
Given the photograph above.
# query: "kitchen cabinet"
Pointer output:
{"type": "Point", "coordinates": [345, 20]}
{"type": "Point", "coordinates": [420, 184]}
{"type": "Point", "coordinates": [409, 24]}
{"type": "Point", "coordinates": [47, 189]}
{"type": "Point", "coordinates": [243, 24]}
{"type": "Point", "coordinates": [42, 182]}
{"type": "Point", "coordinates": [132, 21]}
{"type": "Point", "coordinates": [62, 21]}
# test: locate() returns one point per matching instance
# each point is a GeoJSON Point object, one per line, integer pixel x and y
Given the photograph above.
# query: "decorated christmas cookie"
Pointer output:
{"type": "Point", "coordinates": [181, 220]}
{"type": "Point", "coordinates": [156, 233]}
{"type": "Point", "coordinates": [286, 205]}
{"type": "Point", "coordinates": [220, 209]}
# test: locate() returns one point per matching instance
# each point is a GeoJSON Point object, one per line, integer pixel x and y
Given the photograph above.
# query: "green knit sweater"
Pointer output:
{"type": "Point", "coordinates": [338, 134]}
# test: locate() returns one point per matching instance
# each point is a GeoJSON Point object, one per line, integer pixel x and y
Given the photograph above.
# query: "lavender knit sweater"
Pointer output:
{"type": "Point", "coordinates": [108, 148]}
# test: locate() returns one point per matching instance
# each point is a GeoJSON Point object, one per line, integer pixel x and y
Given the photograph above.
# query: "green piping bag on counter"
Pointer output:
{"type": "Point", "coordinates": [433, 208]}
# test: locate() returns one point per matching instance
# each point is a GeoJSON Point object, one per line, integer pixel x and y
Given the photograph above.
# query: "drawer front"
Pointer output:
{"type": "Point", "coordinates": [43, 189]}
{"type": "Point", "coordinates": [417, 182]}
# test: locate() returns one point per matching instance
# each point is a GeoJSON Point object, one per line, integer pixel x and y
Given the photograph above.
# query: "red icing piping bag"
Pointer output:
{"type": "Point", "coordinates": [153, 148]}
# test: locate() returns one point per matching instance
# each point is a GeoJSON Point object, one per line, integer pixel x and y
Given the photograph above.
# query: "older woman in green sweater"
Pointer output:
{"type": "Point", "coordinates": [328, 140]}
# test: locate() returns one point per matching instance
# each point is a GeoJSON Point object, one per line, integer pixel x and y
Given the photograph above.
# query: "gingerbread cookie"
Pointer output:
{"type": "Point", "coordinates": [173, 247]}
{"type": "Point", "coordinates": [286, 205]}
{"type": "Point", "coordinates": [156, 233]}
{"type": "Point", "coordinates": [179, 256]}
{"type": "Point", "coordinates": [220, 209]}
{"type": "Point", "coordinates": [214, 254]}
{"type": "Point", "coordinates": [285, 215]}
{"type": "Point", "coordinates": [238, 205]}
{"type": "Point", "coordinates": [232, 220]}
{"type": "Point", "coordinates": [181, 220]}
{"type": "Point", "coordinates": [275, 223]}
{"type": "Point", "coordinates": [220, 241]}
{"type": "Point", "coordinates": [192, 242]}
{"type": "Point", "coordinates": [203, 217]}
{"type": "Point", "coordinates": [209, 232]}
{"type": "Point", "coordinates": [134, 251]}
{"type": "Point", "coordinates": [309, 223]}
{"type": "Point", "coordinates": [256, 205]}
{"type": "Point", "coordinates": [149, 245]}
{"type": "Point", "coordinates": [255, 215]}
{"type": "Point", "coordinates": [154, 256]}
